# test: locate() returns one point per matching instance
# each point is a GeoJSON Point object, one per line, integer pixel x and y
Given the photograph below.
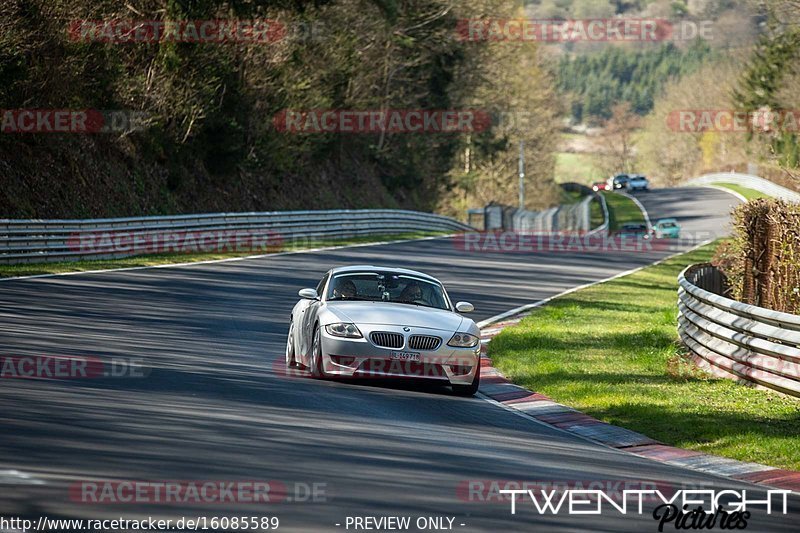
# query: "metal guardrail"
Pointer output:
{"type": "Point", "coordinates": [604, 227]}
{"type": "Point", "coordinates": [575, 217]}
{"type": "Point", "coordinates": [28, 241]}
{"type": "Point", "coordinates": [750, 344]}
{"type": "Point", "coordinates": [570, 217]}
{"type": "Point", "coordinates": [749, 181]}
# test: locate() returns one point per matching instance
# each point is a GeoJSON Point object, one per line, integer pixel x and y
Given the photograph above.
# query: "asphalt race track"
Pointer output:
{"type": "Point", "coordinates": [214, 406]}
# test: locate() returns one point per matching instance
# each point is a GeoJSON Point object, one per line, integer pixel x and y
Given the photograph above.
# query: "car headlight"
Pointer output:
{"type": "Point", "coordinates": [463, 340]}
{"type": "Point", "coordinates": [343, 329]}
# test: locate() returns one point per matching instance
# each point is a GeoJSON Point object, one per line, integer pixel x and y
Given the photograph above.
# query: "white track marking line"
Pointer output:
{"type": "Point", "coordinates": [740, 197]}
{"type": "Point", "coordinates": [17, 477]}
{"type": "Point", "coordinates": [641, 208]}
{"type": "Point", "coordinates": [483, 323]}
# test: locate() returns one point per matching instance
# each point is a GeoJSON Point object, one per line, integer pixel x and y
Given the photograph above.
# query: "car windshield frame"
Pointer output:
{"type": "Point", "coordinates": [435, 285]}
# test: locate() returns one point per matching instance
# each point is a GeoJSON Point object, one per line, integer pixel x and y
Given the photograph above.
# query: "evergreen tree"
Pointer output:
{"type": "Point", "coordinates": [616, 74]}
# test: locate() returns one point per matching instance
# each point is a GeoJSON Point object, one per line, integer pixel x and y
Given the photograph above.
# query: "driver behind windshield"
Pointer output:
{"type": "Point", "coordinates": [411, 293]}
{"type": "Point", "coordinates": [345, 289]}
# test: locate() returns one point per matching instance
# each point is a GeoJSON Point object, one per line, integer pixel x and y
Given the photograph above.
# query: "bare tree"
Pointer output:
{"type": "Point", "coordinates": [617, 145]}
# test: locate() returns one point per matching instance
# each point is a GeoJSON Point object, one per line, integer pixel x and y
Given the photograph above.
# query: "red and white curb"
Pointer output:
{"type": "Point", "coordinates": [543, 409]}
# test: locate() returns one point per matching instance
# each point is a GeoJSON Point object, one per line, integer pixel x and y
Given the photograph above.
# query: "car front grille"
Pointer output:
{"type": "Point", "coordinates": [386, 339]}
{"type": "Point", "coordinates": [424, 342]}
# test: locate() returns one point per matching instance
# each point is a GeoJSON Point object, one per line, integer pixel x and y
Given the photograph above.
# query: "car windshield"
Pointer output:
{"type": "Point", "coordinates": [387, 287]}
{"type": "Point", "coordinates": [668, 225]}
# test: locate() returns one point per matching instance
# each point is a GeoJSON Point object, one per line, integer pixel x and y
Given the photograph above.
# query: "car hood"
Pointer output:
{"type": "Point", "coordinates": [395, 314]}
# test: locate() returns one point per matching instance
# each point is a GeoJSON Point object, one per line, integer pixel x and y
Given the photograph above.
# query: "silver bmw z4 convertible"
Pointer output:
{"type": "Point", "coordinates": [366, 321]}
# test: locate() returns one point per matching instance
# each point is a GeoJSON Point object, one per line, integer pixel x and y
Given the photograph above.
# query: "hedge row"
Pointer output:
{"type": "Point", "coordinates": [762, 261]}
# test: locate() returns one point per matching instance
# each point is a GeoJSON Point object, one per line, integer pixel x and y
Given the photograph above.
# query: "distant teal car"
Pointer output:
{"type": "Point", "coordinates": [666, 228]}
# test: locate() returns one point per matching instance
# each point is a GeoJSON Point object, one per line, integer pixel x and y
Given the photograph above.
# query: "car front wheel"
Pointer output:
{"type": "Point", "coordinates": [291, 362]}
{"type": "Point", "coordinates": [472, 388]}
{"type": "Point", "coordinates": [317, 365]}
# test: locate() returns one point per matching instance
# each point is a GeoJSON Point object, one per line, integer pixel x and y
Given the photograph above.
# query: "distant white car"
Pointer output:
{"type": "Point", "coordinates": [638, 183]}
{"type": "Point", "coordinates": [366, 321]}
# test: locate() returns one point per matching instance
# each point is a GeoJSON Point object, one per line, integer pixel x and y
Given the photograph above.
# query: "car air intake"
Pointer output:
{"type": "Point", "coordinates": [424, 342]}
{"type": "Point", "coordinates": [386, 339]}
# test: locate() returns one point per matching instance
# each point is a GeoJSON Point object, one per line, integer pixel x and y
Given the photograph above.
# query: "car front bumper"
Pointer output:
{"type": "Point", "coordinates": [667, 234]}
{"type": "Point", "coordinates": [361, 358]}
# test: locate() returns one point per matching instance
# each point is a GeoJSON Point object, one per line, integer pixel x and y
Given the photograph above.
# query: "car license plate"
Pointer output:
{"type": "Point", "coordinates": [405, 356]}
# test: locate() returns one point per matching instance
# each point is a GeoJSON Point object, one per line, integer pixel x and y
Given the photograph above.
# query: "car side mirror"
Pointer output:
{"type": "Point", "coordinates": [464, 307]}
{"type": "Point", "coordinates": [309, 294]}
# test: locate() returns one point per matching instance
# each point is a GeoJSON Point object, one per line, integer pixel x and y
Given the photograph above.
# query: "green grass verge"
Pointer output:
{"type": "Point", "coordinates": [577, 167]}
{"type": "Point", "coordinates": [612, 351]}
{"type": "Point", "coordinates": [622, 210]}
{"type": "Point", "coordinates": [571, 197]}
{"type": "Point", "coordinates": [32, 269]}
{"type": "Point", "coordinates": [595, 214]}
{"type": "Point", "coordinates": [750, 194]}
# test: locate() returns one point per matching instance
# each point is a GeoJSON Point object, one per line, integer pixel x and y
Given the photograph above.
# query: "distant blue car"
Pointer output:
{"type": "Point", "coordinates": [666, 228]}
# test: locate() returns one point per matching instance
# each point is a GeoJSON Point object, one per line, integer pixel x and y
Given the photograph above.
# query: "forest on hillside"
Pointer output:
{"type": "Point", "coordinates": [629, 95]}
{"type": "Point", "coordinates": [208, 134]}
{"type": "Point", "coordinates": [759, 81]}
{"type": "Point", "coordinates": [595, 83]}
{"type": "Point", "coordinates": [207, 138]}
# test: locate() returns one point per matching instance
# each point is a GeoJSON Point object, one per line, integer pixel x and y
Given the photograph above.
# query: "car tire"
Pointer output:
{"type": "Point", "coordinates": [472, 388]}
{"type": "Point", "coordinates": [291, 359]}
{"type": "Point", "coordinates": [317, 367]}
